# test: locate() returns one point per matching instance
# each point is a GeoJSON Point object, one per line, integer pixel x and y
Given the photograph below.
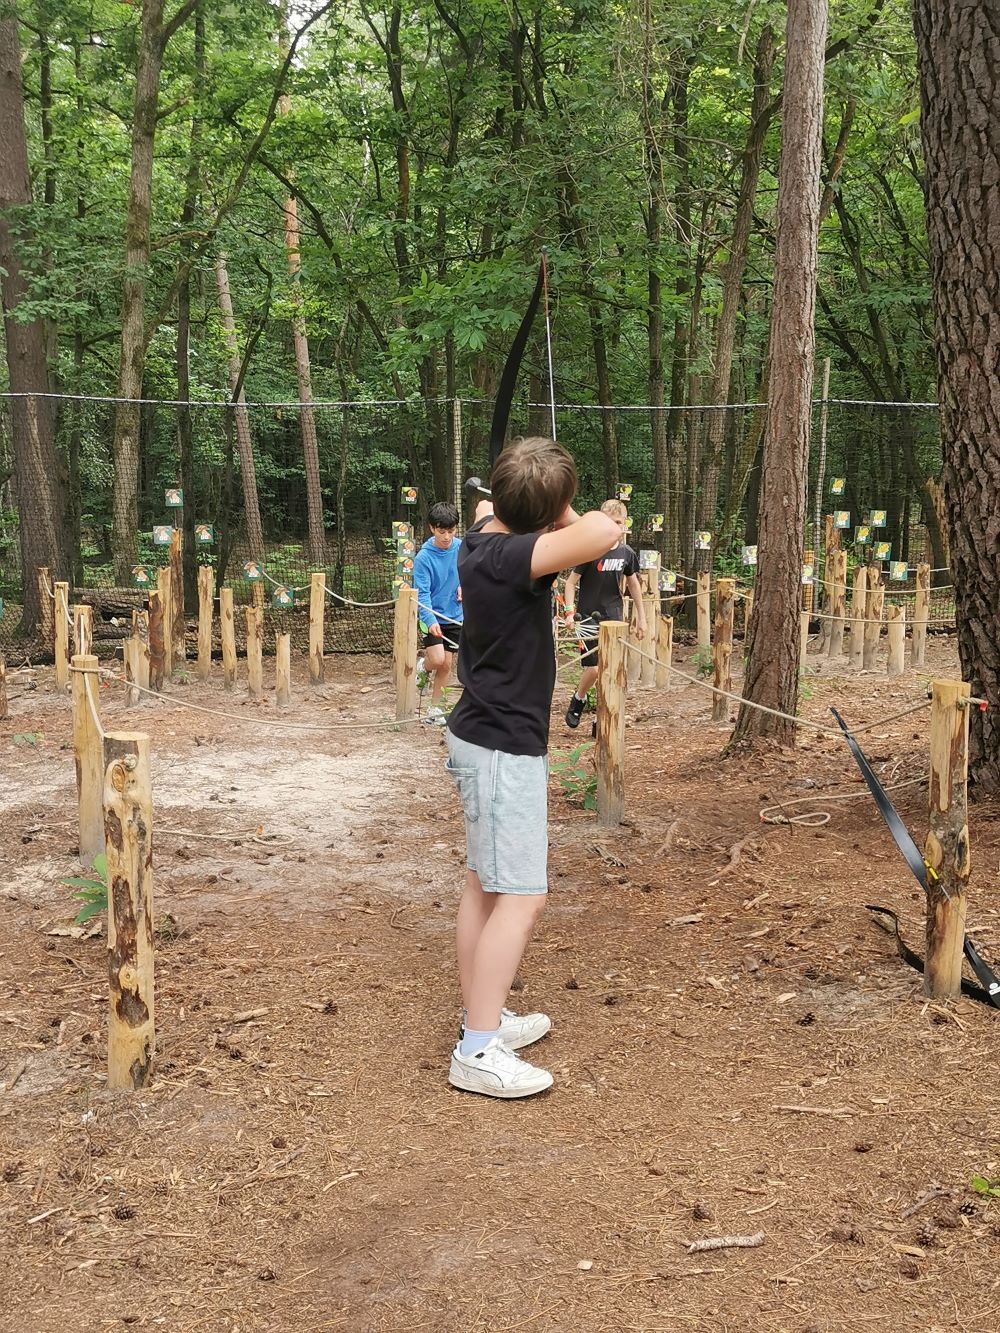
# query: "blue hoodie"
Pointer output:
{"type": "Point", "coordinates": [435, 577]}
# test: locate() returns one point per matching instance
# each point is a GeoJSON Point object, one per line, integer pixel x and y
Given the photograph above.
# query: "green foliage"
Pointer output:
{"type": "Point", "coordinates": [91, 892]}
{"type": "Point", "coordinates": [577, 779]}
{"type": "Point", "coordinates": [701, 660]}
{"type": "Point", "coordinates": [32, 738]}
{"type": "Point", "coordinates": [989, 1189]}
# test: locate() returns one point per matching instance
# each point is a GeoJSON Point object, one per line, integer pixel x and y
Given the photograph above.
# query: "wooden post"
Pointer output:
{"type": "Point", "coordinates": [873, 616]}
{"type": "Point", "coordinates": [140, 633]}
{"type": "Point", "coordinates": [404, 653]}
{"type": "Point", "coordinates": [88, 750]}
{"type": "Point", "coordinates": [722, 648]}
{"type": "Point", "coordinates": [947, 847]}
{"type": "Point", "coordinates": [128, 845]}
{"type": "Point", "coordinates": [62, 635]}
{"type": "Point", "coordinates": [46, 618]}
{"type": "Point", "coordinates": [317, 616]}
{"type": "Point", "coordinates": [804, 618]}
{"type": "Point", "coordinates": [664, 651]}
{"type": "Point", "coordinates": [206, 607]}
{"type": "Point", "coordinates": [704, 607]}
{"type": "Point", "coordinates": [4, 705]}
{"type": "Point", "coordinates": [836, 605]}
{"type": "Point", "coordinates": [896, 621]}
{"type": "Point", "coordinates": [921, 615]}
{"type": "Point", "coordinates": [130, 653]}
{"type": "Point", "coordinates": [859, 601]}
{"type": "Point", "coordinates": [255, 647]}
{"type": "Point", "coordinates": [283, 670]}
{"type": "Point", "coordinates": [163, 582]}
{"type": "Point", "coordinates": [83, 629]}
{"type": "Point", "coordinates": [651, 606]}
{"type": "Point", "coordinates": [157, 650]}
{"type": "Point", "coordinates": [610, 748]}
{"type": "Point", "coordinates": [633, 661]}
{"type": "Point", "coordinates": [178, 620]}
{"type": "Point", "coordinates": [227, 626]}
{"type": "Point", "coordinates": [808, 593]}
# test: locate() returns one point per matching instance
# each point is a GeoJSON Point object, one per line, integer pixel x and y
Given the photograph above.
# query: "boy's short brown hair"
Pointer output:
{"type": "Point", "coordinates": [615, 509]}
{"type": "Point", "coordinates": [533, 481]}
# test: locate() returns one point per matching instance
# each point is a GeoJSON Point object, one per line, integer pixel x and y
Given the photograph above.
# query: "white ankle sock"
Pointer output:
{"type": "Point", "coordinates": [473, 1041]}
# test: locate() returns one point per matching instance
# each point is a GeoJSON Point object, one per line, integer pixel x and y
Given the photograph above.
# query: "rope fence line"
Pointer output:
{"type": "Point", "coordinates": [817, 818]}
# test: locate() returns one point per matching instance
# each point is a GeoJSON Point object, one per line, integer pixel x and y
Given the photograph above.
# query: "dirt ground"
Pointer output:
{"type": "Point", "coordinates": [737, 1049]}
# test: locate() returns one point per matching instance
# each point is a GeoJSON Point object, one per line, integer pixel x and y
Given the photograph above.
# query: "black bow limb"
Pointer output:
{"type": "Point", "coordinates": [508, 380]}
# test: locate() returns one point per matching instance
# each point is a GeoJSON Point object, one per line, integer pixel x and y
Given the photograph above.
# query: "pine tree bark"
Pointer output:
{"type": "Point", "coordinates": [244, 443]}
{"type": "Point", "coordinates": [958, 55]}
{"type": "Point", "coordinates": [772, 666]}
{"type": "Point", "coordinates": [38, 474]}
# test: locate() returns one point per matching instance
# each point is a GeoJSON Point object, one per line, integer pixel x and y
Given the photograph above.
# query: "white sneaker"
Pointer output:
{"type": "Point", "coordinates": [435, 717]}
{"type": "Point", "coordinates": [517, 1030]}
{"type": "Point", "coordinates": [496, 1071]}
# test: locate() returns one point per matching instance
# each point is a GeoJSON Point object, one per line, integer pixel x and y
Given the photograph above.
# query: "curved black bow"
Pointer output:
{"type": "Point", "coordinates": [508, 380]}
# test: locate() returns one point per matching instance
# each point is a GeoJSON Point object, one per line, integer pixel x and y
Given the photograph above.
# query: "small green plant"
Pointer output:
{"type": "Point", "coordinates": [93, 892]}
{"type": "Point", "coordinates": [701, 660]}
{"type": "Point", "coordinates": [27, 737]}
{"type": "Point", "coordinates": [576, 778]}
{"type": "Point", "coordinates": [989, 1189]}
{"type": "Point", "coordinates": [806, 687]}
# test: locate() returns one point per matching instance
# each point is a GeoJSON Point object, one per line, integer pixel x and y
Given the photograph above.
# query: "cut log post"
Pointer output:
{"type": "Point", "coordinates": [46, 613]}
{"type": "Point", "coordinates": [83, 629]}
{"type": "Point", "coordinates": [88, 750]}
{"type": "Point", "coordinates": [946, 850]}
{"type": "Point", "coordinates": [704, 608]}
{"type": "Point", "coordinates": [227, 625]}
{"type": "Point", "coordinates": [178, 619]}
{"type": "Point", "coordinates": [404, 653]}
{"type": "Point", "coordinates": [163, 584]}
{"type": "Point", "coordinates": [859, 602]}
{"type": "Point", "coordinates": [896, 621]}
{"type": "Point", "coordinates": [651, 607]}
{"type": "Point", "coordinates": [283, 670]}
{"type": "Point", "coordinates": [836, 603]}
{"type": "Point", "coordinates": [157, 650]}
{"type": "Point", "coordinates": [140, 633]}
{"type": "Point", "coordinates": [130, 654]}
{"type": "Point", "coordinates": [921, 615]}
{"type": "Point", "coordinates": [612, 681]}
{"type": "Point", "coordinates": [664, 651]}
{"type": "Point", "coordinates": [206, 608]}
{"type": "Point", "coordinates": [873, 616]}
{"type": "Point", "coordinates": [255, 649]}
{"type": "Point", "coordinates": [4, 705]}
{"type": "Point", "coordinates": [128, 845]}
{"type": "Point", "coordinates": [633, 662]}
{"type": "Point", "coordinates": [62, 635]}
{"type": "Point", "coordinates": [804, 618]}
{"type": "Point", "coordinates": [317, 619]}
{"type": "Point", "coordinates": [722, 648]}
{"type": "Point", "coordinates": [748, 597]}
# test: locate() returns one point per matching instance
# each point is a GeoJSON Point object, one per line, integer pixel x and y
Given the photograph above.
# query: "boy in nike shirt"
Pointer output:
{"type": "Point", "coordinates": [498, 742]}
{"type": "Point", "coordinates": [600, 591]}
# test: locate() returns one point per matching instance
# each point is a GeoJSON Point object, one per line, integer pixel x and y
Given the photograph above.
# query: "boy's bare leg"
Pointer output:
{"type": "Point", "coordinates": [587, 679]}
{"type": "Point", "coordinates": [473, 912]}
{"type": "Point", "coordinates": [436, 661]}
{"type": "Point", "coordinates": [503, 938]}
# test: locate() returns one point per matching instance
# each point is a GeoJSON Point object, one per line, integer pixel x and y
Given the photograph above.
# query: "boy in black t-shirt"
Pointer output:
{"type": "Point", "coordinates": [498, 741]}
{"type": "Point", "coordinates": [600, 591]}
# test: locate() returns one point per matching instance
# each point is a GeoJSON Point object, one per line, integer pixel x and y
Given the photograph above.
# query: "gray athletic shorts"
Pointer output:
{"type": "Point", "coordinates": [505, 800]}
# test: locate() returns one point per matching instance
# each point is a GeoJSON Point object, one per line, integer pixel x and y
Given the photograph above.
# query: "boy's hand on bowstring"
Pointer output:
{"type": "Point", "coordinates": [640, 632]}
{"type": "Point", "coordinates": [436, 630]}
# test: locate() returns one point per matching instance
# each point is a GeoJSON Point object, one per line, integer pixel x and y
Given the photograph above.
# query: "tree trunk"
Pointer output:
{"type": "Point", "coordinates": [773, 652]}
{"type": "Point", "coordinates": [244, 444]}
{"type": "Point", "coordinates": [959, 64]}
{"type": "Point", "coordinates": [38, 474]}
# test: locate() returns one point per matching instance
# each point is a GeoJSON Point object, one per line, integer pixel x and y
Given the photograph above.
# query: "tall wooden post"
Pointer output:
{"type": "Point", "coordinates": [859, 602]}
{"type": "Point", "coordinates": [163, 585]}
{"type": "Point", "coordinates": [836, 605]}
{"type": "Point", "coordinates": [283, 670]}
{"type": "Point", "coordinates": [62, 635]}
{"type": "Point", "coordinates": [610, 748]}
{"type": "Point", "coordinates": [651, 607]}
{"type": "Point", "coordinates": [157, 648]}
{"type": "Point", "coordinates": [255, 648]}
{"type": "Point", "coordinates": [808, 595]}
{"type": "Point", "coordinates": [140, 633]}
{"type": "Point", "coordinates": [128, 845]}
{"type": "Point", "coordinates": [130, 654]}
{"type": "Point", "coordinates": [704, 608]}
{"type": "Point", "coordinates": [921, 615]}
{"type": "Point", "coordinates": [946, 850]}
{"type": "Point", "coordinates": [664, 651]}
{"type": "Point", "coordinates": [83, 628]}
{"type": "Point", "coordinates": [722, 648]}
{"type": "Point", "coordinates": [896, 623]}
{"type": "Point", "coordinates": [404, 653]}
{"type": "Point", "coordinates": [317, 617]}
{"type": "Point", "coordinates": [633, 662]}
{"type": "Point", "coordinates": [873, 616]}
{"type": "Point", "coordinates": [46, 616]}
{"type": "Point", "coordinates": [206, 607]}
{"type": "Point", "coordinates": [178, 619]}
{"type": "Point", "coordinates": [88, 750]}
{"type": "Point", "coordinates": [4, 705]}
{"type": "Point", "coordinates": [227, 627]}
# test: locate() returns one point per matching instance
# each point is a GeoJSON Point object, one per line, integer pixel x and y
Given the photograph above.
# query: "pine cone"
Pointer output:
{"type": "Point", "coordinates": [123, 1212]}
{"type": "Point", "coordinates": [970, 1208]}
{"type": "Point", "coordinates": [927, 1236]}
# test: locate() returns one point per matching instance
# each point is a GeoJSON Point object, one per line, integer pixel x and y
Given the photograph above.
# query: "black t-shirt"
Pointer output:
{"type": "Point", "coordinates": [506, 661]}
{"type": "Point", "coordinates": [601, 583]}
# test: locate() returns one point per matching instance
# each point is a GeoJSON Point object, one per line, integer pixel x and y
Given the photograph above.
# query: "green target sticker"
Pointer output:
{"type": "Point", "coordinates": [842, 518]}
{"type": "Point", "coordinates": [749, 555]}
{"type": "Point", "coordinates": [282, 598]}
{"type": "Point", "coordinates": [883, 550]}
{"type": "Point", "coordinates": [656, 522]}
{"type": "Point", "coordinates": [204, 534]}
{"type": "Point", "coordinates": [898, 571]}
{"type": "Point", "coordinates": [142, 576]}
{"type": "Point", "coordinates": [253, 571]}
{"type": "Point", "coordinates": [163, 534]}
{"type": "Point", "coordinates": [173, 497]}
{"type": "Point", "coordinates": [649, 559]}
{"type": "Point", "coordinates": [838, 486]}
{"type": "Point", "coordinates": [668, 580]}
{"type": "Point", "coordinates": [702, 541]}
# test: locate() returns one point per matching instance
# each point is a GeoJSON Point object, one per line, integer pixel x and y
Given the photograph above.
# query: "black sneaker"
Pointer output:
{"type": "Point", "coordinates": [575, 711]}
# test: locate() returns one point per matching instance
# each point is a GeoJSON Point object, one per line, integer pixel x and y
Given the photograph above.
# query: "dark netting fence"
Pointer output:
{"type": "Point", "coordinates": [687, 472]}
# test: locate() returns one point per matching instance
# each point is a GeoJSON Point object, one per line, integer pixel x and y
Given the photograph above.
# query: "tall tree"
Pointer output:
{"type": "Point", "coordinates": [773, 659]}
{"type": "Point", "coordinates": [38, 473]}
{"type": "Point", "coordinates": [958, 52]}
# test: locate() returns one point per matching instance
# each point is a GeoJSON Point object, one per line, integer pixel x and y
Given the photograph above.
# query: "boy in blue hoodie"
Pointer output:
{"type": "Point", "coordinates": [439, 601]}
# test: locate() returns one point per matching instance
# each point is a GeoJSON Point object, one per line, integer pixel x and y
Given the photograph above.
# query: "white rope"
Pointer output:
{"type": "Point", "coordinates": [817, 818]}
{"type": "Point", "coordinates": [349, 601]}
